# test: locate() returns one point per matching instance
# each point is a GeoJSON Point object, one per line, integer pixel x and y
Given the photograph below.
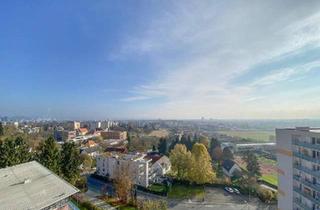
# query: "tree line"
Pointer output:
{"type": "Point", "coordinates": [64, 161]}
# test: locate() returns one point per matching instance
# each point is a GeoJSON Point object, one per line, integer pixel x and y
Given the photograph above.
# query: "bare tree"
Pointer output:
{"type": "Point", "coordinates": [123, 182]}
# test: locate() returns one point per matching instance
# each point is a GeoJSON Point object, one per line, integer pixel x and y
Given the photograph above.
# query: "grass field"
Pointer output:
{"type": "Point", "coordinates": [252, 135]}
{"type": "Point", "coordinates": [268, 169]}
{"type": "Point", "coordinates": [185, 191]}
{"type": "Point", "coordinates": [157, 188]}
{"type": "Point", "coordinates": [270, 178]}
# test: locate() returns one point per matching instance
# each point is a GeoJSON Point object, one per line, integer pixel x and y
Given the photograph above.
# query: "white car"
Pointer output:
{"type": "Point", "coordinates": [236, 191]}
{"type": "Point", "coordinates": [229, 189]}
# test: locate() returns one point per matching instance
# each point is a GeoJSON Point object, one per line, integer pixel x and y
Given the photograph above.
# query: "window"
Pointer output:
{"type": "Point", "coordinates": [318, 140]}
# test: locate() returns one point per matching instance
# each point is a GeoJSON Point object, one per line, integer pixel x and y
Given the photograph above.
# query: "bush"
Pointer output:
{"type": "Point", "coordinates": [152, 205]}
{"type": "Point", "coordinates": [81, 184]}
{"type": "Point", "coordinates": [89, 206]}
{"type": "Point", "coordinates": [265, 195]}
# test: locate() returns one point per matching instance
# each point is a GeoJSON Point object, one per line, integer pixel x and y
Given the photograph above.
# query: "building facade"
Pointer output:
{"type": "Point", "coordinates": [121, 135]}
{"type": "Point", "coordinates": [298, 155]}
{"type": "Point", "coordinates": [144, 169]}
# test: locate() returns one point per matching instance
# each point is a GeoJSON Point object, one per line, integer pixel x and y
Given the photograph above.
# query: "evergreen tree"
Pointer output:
{"type": "Point", "coordinates": [163, 146]}
{"type": "Point", "coordinates": [1, 129]}
{"type": "Point", "coordinates": [13, 152]}
{"type": "Point", "coordinates": [70, 162]}
{"type": "Point", "coordinates": [174, 143]}
{"type": "Point", "coordinates": [49, 155]}
{"type": "Point", "coordinates": [253, 166]}
{"type": "Point", "coordinates": [129, 142]}
{"type": "Point", "coordinates": [22, 150]}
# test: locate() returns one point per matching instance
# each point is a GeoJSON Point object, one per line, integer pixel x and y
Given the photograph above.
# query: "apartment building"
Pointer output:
{"type": "Point", "coordinates": [143, 168]}
{"type": "Point", "coordinates": [298, 155]}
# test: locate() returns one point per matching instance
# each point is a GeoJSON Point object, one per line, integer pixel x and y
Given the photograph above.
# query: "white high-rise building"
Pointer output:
{"type": "Point", "coordinates": [298, 156]}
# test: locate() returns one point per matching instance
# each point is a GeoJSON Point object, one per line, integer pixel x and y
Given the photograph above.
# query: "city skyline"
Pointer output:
{"type": "Point", "coordinates": [160, 59]}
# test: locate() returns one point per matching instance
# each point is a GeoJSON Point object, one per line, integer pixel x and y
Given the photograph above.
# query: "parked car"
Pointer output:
{"type": "Point", "coordinates": [236, 191]}
{"type": "Point", "coordinates": [229, 189]}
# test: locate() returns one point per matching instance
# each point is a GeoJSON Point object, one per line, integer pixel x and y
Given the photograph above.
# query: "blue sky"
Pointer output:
{"type": "Point", "coordinates": [160, 59]}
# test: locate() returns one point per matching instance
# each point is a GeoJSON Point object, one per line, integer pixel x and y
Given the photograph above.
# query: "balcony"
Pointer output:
{"type": "Point", "coordinates": [307, 170]}
{"type": "Point", "coordinates": [306, 157]}
{"type": "Point", "coordinates": [304, 206]}
{"type": "Point", "coordinates": [306, 144]}
{"type": "Point", "coordinates": [307, 196]}
{"type": "Point", "coordinates": [307, 183]}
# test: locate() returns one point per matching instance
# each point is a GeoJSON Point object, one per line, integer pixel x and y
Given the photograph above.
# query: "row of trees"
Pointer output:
{"type": "Point", "coordinates": [64, 162]}
{"type": "Point", "coordinates": [194, 166]}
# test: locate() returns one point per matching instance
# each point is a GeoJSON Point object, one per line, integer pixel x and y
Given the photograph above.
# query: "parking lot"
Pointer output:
{"type": "Point", "coordinates": [218, 199]}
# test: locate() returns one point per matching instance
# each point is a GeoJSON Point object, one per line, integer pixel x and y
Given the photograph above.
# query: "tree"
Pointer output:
{"type": "Point", "coordinates": [227, 154]}
{"type": "Point", "coordinates": [253, 166]}
{"type": "Point", "coordinates": [129, 142]}
{"type": "Point", "coordinates": [215, 143]}
{"type": "Point", "coordinates": [1, 129]}
{"type": "Point", "coordinates": [204, 140]}
{"type": "Point", "coordinates": [13, 152]}
{"type": "Point", "coordinates": [163, 146]}
{"type": "Point", "coordinates": [123, 182]}
{"type": "Point", "coordinates": [154, 148]}
{"type": "Point", "coordinates": [174, 143]}
{"type": "Point", "coordinates": [187, 141]}
{"type": "Point", "coordinates": [86, 161]}
{"type": "Point", "coordinates": [70, 162]}
{"type": "Point", "coordinates": [180, 159]}
{"type": "Point", "coordinates": [201, 170]}
{"type": "Point", "coordinates": [219, 170]}
{"type": "Point", "coordinates": [22, 150]}
{"type": "Point", "coordinates": [49, 155]}
{"type": "Point", "coordinates": [217, 154]}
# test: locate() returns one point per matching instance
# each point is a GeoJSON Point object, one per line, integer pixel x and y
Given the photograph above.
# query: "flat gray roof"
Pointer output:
{"type": "Point", "coordinates": [31, 186]}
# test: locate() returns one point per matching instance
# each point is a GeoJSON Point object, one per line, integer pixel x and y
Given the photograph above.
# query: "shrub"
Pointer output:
{"type": "Point", "coordinates": [265, 195]}
{"type": "Point", "coordinates": [152, 204]}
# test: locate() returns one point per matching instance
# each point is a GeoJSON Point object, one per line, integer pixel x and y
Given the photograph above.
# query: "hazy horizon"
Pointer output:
{"type": "Point", "coordinates": [160, 59]}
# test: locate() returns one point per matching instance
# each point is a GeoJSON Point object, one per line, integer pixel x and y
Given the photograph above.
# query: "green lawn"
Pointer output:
{"type": "Point", "coordinates": [185, 191]}
{"type": "Point", "coordinates": [264, 136]}
{"type": "Point", "coordinates": [127, 208]}
{"type": "Point", "coordinates": [157, 188]}
{"type": "Point", "coordinates": [270, 178]}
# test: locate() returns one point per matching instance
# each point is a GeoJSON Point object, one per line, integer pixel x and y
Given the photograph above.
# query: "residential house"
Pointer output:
{"type": "Point", "coordinates": [231, 168]}
{"type": "Point", "coordinates": [143, 168]}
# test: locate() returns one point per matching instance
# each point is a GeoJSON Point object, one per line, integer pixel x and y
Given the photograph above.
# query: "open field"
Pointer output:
{"type": "Point", "coordinates": [159, 133]}
{"type": "Point", "coordinates": [185, 192]}
{"type": "Point", "coordinates": [252, 135]}
{"type": "Point", "coordinates": [268, 169]}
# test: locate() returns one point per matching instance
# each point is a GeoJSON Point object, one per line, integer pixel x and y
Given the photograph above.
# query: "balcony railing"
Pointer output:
{"type": "Point", "coordinates": [304, 206]}
{"type": "Point", "coordinates": [307, 196]}
{"type": "Point", "coordinates": [307, 183]}
{"type": "Point", "coordinates": [306, 144]}
{"type": "Point", "coordinates": [307, 170]}
{"type": "Point", "coordinates": [306, 157]}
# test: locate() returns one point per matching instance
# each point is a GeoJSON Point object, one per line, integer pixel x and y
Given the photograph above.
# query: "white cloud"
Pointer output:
{"type": "Point", "coordinates": [215, 42]}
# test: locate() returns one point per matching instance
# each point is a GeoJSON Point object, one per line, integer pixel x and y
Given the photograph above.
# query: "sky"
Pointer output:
{"type": "Point", "coordinates": [122, 59]}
